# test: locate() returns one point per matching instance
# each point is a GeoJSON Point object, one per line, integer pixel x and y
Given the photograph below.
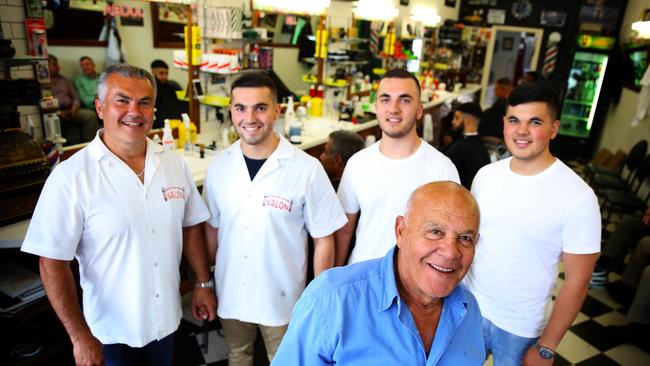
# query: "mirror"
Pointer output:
{"type": "Point", "coordinates": [167, 22]}
{"type": "Point", "coordinates": [74, 23]}
{"type": "Point", "coordinates": [511, 52]}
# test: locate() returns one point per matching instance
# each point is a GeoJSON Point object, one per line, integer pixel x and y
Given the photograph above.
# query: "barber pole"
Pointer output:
{"type": "Point", "coordinates": [552, 50]}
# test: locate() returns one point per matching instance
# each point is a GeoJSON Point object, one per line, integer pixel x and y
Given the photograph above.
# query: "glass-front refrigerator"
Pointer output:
{"type": "Point", "coordinates": [582, 94]}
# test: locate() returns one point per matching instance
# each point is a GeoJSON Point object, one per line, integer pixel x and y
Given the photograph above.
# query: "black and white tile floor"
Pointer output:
{"type": "Point", "coordinates": [587, 343]}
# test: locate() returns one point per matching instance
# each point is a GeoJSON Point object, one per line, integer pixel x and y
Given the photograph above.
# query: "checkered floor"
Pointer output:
{"type": "Point", "coordinates": [588, 342]}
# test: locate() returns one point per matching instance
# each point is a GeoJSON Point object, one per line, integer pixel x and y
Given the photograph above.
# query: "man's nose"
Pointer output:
{"type": "Point", "coordinates": [449, 247]}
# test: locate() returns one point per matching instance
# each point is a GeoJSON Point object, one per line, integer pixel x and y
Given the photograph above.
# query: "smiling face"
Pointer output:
{"type": "Point", "coordinates": [87, 66]}
{"type": "Point", "coordinates": [436, 240]}
{"type": "Point", "coordinates": [528, 129]}
{"type": "Point", "coordinates": [127, 111]}
{"type": "Point", "coordinates": [398, 106]}
{"type": "Point", "coordinates": [254, 112]}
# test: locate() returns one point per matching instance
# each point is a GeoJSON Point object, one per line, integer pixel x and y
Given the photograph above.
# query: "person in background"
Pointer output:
{"type": "Point", "coordinates": [534, 211]}
{"type": "Point", "coordinates": [468, 153]}
{"type": "Point", "coordinates": [265, 196]}
{"type": "Point", "coordinates": [127, 210]}
{"type": "Point", "coordinates": [492, 120]}
{"type": "Point", "coordinates": [378, 179]}
{"type": "Point", "coordinates": [86, 83]}
{"type": "Point", "coordinates": [168, 106]}
{"type": "Point", "coordinates": [69, 105]}
{"type": "Point", "coordinates": [406, 308]}
{"type": "Point", "coordinates": [636, 279]}
{"type": "Point", "coordinates": [340, 146]}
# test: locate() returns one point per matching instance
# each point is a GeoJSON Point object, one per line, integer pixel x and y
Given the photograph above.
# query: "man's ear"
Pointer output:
{"type": "Point", "coordinates": [99, 108]}
{"type": "Point", "coordinates": [399, 229]}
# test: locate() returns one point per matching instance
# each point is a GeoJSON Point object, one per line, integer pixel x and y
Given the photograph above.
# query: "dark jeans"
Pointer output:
{"type": "Point", "coordinates": [156, 353]}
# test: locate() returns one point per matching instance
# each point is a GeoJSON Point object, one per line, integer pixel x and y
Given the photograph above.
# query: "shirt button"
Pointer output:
{"type": "Point", "coordinates": [155, 264]}
{"type": "Point", "coordinates": [157, 295]}
{"type": "Point", "coordinates": [245, 256]}
{"type": "Point", "coordinates": [153, 231]}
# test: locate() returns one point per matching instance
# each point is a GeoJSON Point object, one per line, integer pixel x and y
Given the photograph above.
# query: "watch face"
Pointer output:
{"type": "Point", "coordinates": [546, 354]}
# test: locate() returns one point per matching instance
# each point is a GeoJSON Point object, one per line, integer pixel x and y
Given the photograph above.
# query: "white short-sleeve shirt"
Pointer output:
{"type": "Point", "coordinates": [126, 235]}
{"type": "Point", "coordinates": [263, 225]}
{"type": "Point", "coordinates": [379, 187]}
{"type": "Point", "coordinates": [527, 222]}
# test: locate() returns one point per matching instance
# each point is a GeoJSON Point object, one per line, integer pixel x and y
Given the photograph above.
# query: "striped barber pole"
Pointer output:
{"type": "Point", "coordinates": [374, 39]}
{"type": "Point", "coordinates": [552, 51]}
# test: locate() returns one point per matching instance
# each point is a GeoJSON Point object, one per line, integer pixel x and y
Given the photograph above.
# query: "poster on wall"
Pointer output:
{"type": "Point", "coordinates": [496, 16]}
{"type": "Point", "coordinates": [552, 18]}
{"type": "Point", "coordinates": [36, 38]}
{"type": "Point", "coordinates": [600, 16]}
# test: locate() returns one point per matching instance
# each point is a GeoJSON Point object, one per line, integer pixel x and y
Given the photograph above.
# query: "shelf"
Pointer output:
{"type": "Point", "coordinates": [311, 79]}
{"type": "Point", "coordinates": [338, 62]}
{"type": "Point", "coordinates": [568, 116]}
{"type": "Point", "coordinates": [22, 60]}
{"type": "Point", "coordinates": [350, 40]}
{"type": "Point", "coordinates": [578, 102]}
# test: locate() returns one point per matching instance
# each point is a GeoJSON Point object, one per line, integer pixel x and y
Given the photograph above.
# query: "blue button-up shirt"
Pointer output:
{"type": "Point", "coordinates": [354, 316]}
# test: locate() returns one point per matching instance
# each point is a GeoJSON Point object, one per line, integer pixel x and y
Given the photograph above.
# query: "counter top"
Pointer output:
{"type": "Point", "coordinates": [315, 133]}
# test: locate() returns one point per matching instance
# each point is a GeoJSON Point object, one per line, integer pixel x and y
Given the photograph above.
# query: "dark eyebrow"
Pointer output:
{"type": "Point", "coordinates": [405, 95]}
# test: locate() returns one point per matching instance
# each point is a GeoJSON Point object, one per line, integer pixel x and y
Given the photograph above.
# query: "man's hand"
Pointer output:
{"type": "Point", "coordinates": [532, 358]}
{"type": "Point", "coordinates": [88, 351]}
{"type": "Point", "coordinates": [204, 304]}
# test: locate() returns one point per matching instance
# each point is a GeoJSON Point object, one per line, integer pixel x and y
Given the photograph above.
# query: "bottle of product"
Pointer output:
{"type": "Point", "coordinates": [290, 113]}
{"type": "Point", "coordinates": [187, 144]}
{"type": "Point", "coordinates": [168, 138]}
{"type": "Point", "coordinates": [295, 133]}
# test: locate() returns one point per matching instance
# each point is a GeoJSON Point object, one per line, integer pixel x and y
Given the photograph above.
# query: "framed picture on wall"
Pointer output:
{"type": "Point", "coordinates": [33, 9]}
{"type": "Point", "coordinates": [508, 43]}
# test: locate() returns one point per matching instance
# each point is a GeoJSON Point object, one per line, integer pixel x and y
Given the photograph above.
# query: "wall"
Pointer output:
{"type": "Point", "coordinates": [12, 18]}
{"type": "Point", "coordinates": [617, 132]}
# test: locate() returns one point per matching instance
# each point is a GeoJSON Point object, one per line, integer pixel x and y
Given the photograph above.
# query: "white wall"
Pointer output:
{"type": "Point", "coordinates": [617, 132]}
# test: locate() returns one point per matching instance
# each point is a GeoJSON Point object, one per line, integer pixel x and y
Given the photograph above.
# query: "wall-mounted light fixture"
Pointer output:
{"type": "Point", "coordinates": [375, 10]}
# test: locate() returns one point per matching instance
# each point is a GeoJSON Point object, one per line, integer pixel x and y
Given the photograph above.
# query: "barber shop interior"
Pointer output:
{"type": "Point", "coordinates": [418, 182]}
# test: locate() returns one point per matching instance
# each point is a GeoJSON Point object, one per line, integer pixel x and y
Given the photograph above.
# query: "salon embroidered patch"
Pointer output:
{"type": "Point", "coordinates": [173, 193]}
{"type": "Point", "coordinates": [277, 202]}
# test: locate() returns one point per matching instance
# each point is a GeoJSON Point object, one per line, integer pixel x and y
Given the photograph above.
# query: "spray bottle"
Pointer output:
{"type": "Point", "coordinates": [168, 138]}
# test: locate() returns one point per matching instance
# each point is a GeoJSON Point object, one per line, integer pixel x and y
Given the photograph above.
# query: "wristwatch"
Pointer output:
{"type": "Point", "coordinates": [544, 352]}
{"type": "Point", "coordinates": [209, 284]}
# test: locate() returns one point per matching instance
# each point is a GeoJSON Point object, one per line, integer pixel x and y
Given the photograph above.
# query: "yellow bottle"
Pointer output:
{"type": "Point", "coordinates": [182, 136]}
{"type": "Point", "coordinates": [316, 107]}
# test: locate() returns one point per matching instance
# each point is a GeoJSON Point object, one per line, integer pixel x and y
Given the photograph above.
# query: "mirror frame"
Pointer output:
{"type": "Point", "coordinates": [155, 24]}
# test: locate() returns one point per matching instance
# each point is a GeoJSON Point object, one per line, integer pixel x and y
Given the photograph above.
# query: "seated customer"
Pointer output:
{"type": "Point", "coordinates": [468, 153]}
{"type": "Point", "coordinates": [406, 308]}
{"type": "Point", "coordinates": [340, 146]}
{"type": "Point", "coordinates": [492, 120]}
{"type": "Point", "coordinates": [167, 104]}
{"type": "Point", "coordinates": [74, 120]}
{"type": "Point", "coordinates": [86, 83]}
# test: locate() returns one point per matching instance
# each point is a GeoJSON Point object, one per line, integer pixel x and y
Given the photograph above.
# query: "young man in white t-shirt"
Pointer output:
{"type": "Point", "coordinates": [534, 212]}
{"type": "Point", "coordinates": [378, 180]}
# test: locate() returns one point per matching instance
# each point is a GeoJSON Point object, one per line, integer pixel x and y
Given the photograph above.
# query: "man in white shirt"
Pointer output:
{"type": "Point", "coordinates": [534, 212]}
{"type": "Point", "coordinates": [378, 180]}
{"type": "Point", "coordinates": [127, 210]}
{"type": "Point", "coordinates": [265, 196]}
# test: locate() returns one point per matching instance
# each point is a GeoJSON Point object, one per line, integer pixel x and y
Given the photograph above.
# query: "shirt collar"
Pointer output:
{"type": "Point", "coordinates": [457, 298]}
{"type": "Point", "coordinates": [283, 151]}
{"type": "Point", "coordinates": [98, 149]}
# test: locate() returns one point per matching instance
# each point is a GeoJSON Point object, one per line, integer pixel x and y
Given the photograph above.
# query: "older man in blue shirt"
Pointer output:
{"type": "Point", "coordinates": [406, 308]}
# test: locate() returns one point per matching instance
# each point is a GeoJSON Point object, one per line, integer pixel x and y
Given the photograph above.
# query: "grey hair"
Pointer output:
{"type": "Point", "coordinates": [345, 143]}
{"type": "Point", "coordinates": [125, 70]}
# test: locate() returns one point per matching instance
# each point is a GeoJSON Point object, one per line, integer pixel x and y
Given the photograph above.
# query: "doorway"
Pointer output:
{"type": "Point", "coordinates": [511, 52]}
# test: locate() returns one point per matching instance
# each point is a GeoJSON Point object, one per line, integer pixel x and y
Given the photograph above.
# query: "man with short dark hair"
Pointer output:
{"type": "Point", "coordinates": [265, 196]}
{"type": "Point", "coordinates": [167, 104]}
{"type": "Point", "coordinates": [406, 308]}
{"type": "Point", "coordinates": [492, 119]}
{"type": "Point", "coordinates": [86, 82]}
{"type": "Point", "coordinates": [468, 153]}
{"type": "Point", "coordinates": [378, 179]}
{"type": "Point", "coordinates": [70, 111]}
{"type": "Point", "coordinates": [340, 146]}
{"type": "Point", "coordinates": [127, 210]}
{"type": "Point", "coordinates": [534, 211]}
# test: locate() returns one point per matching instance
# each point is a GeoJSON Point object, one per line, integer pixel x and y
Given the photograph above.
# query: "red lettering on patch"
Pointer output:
{"type": "Point", "coordinates": [173, 193]}
{"type": "Point", "coordinates": [277, 202]}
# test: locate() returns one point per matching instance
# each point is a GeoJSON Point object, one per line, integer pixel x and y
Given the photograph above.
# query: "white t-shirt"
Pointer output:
{"type": "Point", "coordinates": [127, 237]}
{"type": "Point", "coordinates": [379, 187]}
{"type": "Point", "coordinates": [262, 245]}
{"type": "Point", "coordinates": [527, 222]}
